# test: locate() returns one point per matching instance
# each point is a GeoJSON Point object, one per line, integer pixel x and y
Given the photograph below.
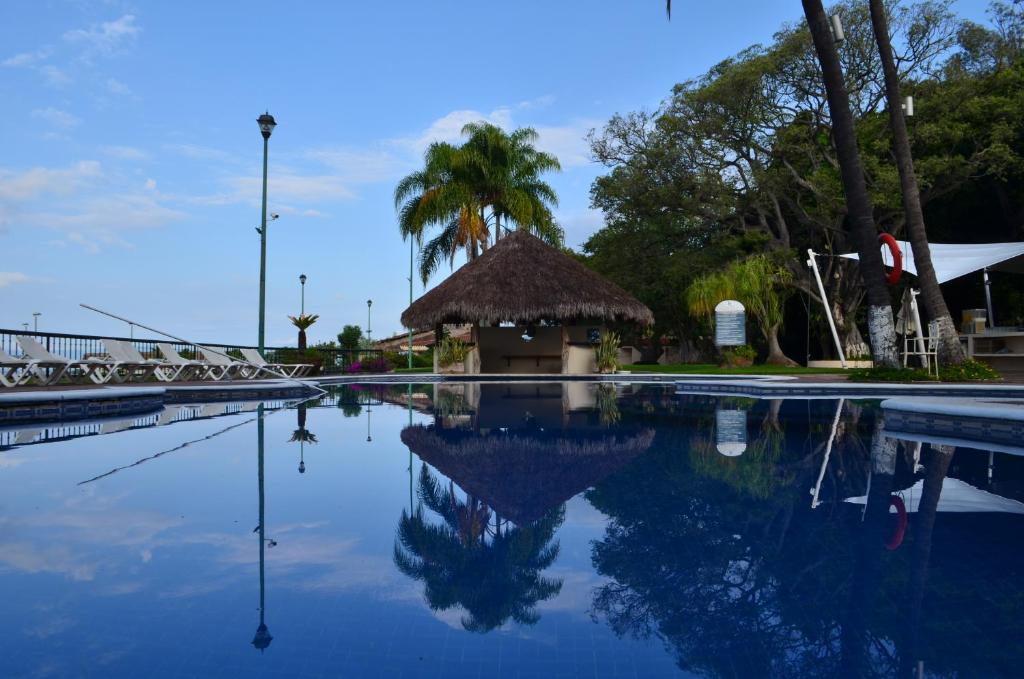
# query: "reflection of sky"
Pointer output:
{"type": "Point", "coordinates": [154, 570]}
{"type": "Point", "coordinates": [156, 566]}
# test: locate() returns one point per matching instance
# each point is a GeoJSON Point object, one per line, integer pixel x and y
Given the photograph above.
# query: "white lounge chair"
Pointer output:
{"type": "Point", "coordinates": [15, 372]}
{"type": "Point", "coordinates": [223, 366]}
{"type": "Point", "coordinates": [286, 369]}
{"type": "Point", "coordinates": [186, 367]}
{"type": "Point", "coordinates": [96, 369]}
{"type": "Point", "coordinates": [164, 371]}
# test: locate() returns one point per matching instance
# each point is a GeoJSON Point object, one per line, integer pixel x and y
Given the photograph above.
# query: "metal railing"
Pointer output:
{"type": "Point", "coordinates": [78, 347]}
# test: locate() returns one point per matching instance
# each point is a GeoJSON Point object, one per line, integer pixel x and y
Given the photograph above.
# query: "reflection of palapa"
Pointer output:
{"type": "Point", "coordinates": [522, 475]}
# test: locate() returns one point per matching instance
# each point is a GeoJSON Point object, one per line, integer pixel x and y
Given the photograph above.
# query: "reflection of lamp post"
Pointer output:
{"type": "Point", "coordinates": [369, 332]}
{"type": "Point", "coordinates": [267, 125]}
{"type": "Point", "coordinates": [410, 449]}
{"type": "Point", "coordinates": [262, 638]}
{"type": "Point", "coordinates": [302, 281]}
{"type": "Point", "coordinates": [368, 437]}
{"type": "Point", "coordinates": [35, 320]}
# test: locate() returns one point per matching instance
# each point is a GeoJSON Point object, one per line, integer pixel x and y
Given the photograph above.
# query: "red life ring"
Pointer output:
{"type": "Point", "coordinates": [897, 258]}
{"type": "Point", "coordinates": [896, 539]}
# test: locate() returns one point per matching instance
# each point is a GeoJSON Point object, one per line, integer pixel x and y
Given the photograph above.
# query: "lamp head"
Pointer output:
{"type": "Point", "coordinates": [267, 125]}
{"type": "Point", "coordinates": [302, 278]}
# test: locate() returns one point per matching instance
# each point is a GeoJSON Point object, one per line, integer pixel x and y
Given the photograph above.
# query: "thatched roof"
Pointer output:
{"type": "Point", "coordinates": [522, 279]}
{"type": "Point", "coordinates": [522, 475]}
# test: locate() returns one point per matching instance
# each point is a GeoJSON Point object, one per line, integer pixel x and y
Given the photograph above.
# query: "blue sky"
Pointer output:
{"type": "Point", "coordinates": [130, 171]}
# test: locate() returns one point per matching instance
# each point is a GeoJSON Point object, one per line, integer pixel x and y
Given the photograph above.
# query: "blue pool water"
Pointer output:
{"type": "Point", "coordinates": [525, 530]}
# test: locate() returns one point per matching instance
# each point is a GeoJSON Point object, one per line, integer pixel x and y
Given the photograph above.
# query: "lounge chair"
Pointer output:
{"type": "Point", "coordinates": [186, 367]}
{"type": "Point", "coordinates": [14, 372]}
{"type": "Point", "coordinates": [223, 366]}
{"type": "Point", "coordinates": [165, 371]}
{"type": "Point", "coordinates": [96, 369]}
{"type": "Point", "coordinates": [286, 369]}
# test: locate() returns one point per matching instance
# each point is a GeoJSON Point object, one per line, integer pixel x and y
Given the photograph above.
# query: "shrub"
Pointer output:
{"type": "Point", "coordinates": [606, 354]}
{"type": "Point", "coordinates": [968, 371]}
{"type": "Point", "coordinates": [738, 356]}
{"type": "Point", "coordinates": [452, 350]}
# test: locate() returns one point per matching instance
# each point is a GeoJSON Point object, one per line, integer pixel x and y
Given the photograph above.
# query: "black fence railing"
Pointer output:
{"type": "Point", "coordinates": [77, 347]}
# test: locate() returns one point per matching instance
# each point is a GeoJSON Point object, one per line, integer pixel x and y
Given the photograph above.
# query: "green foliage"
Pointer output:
{"type": "Point", "coordinates": [606, 353]}
{"type": "Point", "coordinates": [451, 350]}
{"type": "Point", "coordinates": [350, 336]}
{"type": "Point", "coordinates": [968, 371]}
{"type": "Point", "coordinates": [757, 282]}
{"type": "Point", "coordinates": [303, 321]}
{"type": "Point", "coordinates": [468, 190]}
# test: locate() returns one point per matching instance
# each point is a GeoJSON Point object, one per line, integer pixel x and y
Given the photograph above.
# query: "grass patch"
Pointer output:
{"type": "Point", "coordinates": [968, 371]}
{"type": "Point", "coordinates": [712, 369]}
{"type": "Point", "coordinates": [425, 369]}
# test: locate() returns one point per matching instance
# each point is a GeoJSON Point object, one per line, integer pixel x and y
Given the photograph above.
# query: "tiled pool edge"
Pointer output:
{"type": "Point", "coordinates": [964, 420]}
{"type": "Point", "coordinates": [77, 404]}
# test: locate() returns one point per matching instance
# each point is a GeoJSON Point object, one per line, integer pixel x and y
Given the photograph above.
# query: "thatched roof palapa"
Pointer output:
{"type": "Point", "coordinates": [522, 279]}
{"type": "Point", "coordinates": [523, 475]}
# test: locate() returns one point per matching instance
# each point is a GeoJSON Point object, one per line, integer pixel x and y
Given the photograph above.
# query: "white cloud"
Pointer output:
{"type": "Point", "coordinates": [56, 117]}
{"type": "Point", "coordinates": [151, 184]}
{"type": "Point", "coordinates": [106, 38]}
{"type": "Point", "coordinates": [360, 166]}
{"type": "Point", "coordinates": [25, 59]}
{"type": "Point", "coordinates": [21, 186]}
{"type": "Point", "coordinates": [12, 278]}
{"type": "Point", "coordinates": [568, 143]}
{"type": "Point", "coordinates": [115, 86]}
{"type": "Point", "coordinates": [449, 127]}
{"type": "Point", "coordinates": [293, 187]}
{"type": "Point", "coordinates": [54, 76]}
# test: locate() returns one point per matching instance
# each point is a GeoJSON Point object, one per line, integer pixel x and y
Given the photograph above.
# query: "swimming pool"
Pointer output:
{"type": "Point", "coordinates": [519, 530]}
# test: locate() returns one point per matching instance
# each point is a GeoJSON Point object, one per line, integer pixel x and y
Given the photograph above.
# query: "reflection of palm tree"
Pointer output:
{"type": "Point", "coordinates": [302, 436]}
{"type": "Point", "coordinates": [492, 579]}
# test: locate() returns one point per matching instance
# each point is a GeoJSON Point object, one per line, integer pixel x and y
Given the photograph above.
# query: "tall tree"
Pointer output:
{"type": "Point", "coordinates": [949, 347]}
{"type": "Point", "coordinates": [467, 189]}
{"type": "Point", "coordinates": [508, 171]}
{"type": "Point", "coordinates": [860, 214]}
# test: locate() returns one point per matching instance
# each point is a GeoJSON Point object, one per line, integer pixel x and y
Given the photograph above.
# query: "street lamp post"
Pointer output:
{"type": "Point", "coordinates": [369, 332]}
{"type": "Point", "coordinates": [35, 320]}
{"type": "Point", "coordinates": [410, 298]}
{"type": "Point", "coordinates": [267, 125]}
{"type": "Point", "coordinates": [302, 281]}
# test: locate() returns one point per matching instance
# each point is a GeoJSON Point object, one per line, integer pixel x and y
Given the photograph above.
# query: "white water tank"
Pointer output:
{"type": "Point", "coordinates": [730, 324]}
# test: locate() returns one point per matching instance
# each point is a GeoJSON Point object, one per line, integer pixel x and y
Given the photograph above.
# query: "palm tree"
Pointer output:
{"type": "Point", "coordinates": [859, 211]}
{"type": "Point", "coordinates": [508, 170]}
{"type": "Point", "coordinates": [949, 348]}
{"type": "Point", "coordinates": [492, 580]}
{"type": "Point", "coordinates": [302, 322]}
{"type": "Point", "coordinates": [467, 189]}
{"type": "Point", "coordinates": [757, 283]}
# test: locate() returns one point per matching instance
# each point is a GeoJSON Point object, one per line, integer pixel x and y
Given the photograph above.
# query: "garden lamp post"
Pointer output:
{"type": "Point", "coordinates": [369, 332]}
{"type": "Point", "coordinates": [267, 125]}
{"type": "Point", "coordinates": [35, 320]}
{"type": "Point", "coordinates": [302, 281]}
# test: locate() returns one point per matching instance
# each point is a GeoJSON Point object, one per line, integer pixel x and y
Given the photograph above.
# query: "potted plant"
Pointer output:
{"type": "Point", "coordinates": [606, 353]}
{"type": "Point", "coordinates": [451, 355]}
{"type": "Point", "coordinates": [738, 357]}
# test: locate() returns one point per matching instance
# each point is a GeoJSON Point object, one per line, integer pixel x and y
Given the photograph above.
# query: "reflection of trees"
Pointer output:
{"type": "Point", "coordinates": [492, 572]}
{"type": "Point", "coordinates": [738, 582]}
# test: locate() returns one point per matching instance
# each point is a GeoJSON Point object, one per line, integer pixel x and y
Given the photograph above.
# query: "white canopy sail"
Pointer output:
{"type": "Point", "coordinates": [952, 260]}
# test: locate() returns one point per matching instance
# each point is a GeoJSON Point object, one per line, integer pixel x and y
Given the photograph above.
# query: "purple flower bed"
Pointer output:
{"type": "Point", "coordinates": [376, 366]}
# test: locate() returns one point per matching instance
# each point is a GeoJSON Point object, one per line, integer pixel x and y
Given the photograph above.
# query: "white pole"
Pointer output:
{"type": "Point", "coordinates": [813, 263]}
{"type": "Point", "coordinates": [988, 298]}
{"type": "Point", "coordinates": [816, 491]}
{"type": "Point", "coordinates": [917, 321]}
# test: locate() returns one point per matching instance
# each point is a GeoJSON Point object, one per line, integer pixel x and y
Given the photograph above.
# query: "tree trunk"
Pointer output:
{"type": "Point", "coordinates": [497, 227]}
{"type": "Point", "coordinates": [950, 350]}
{"type": "Point", "coordinates": [924, 526]}
{"type": "Point", "coordinates": [775, 354]}
{"type": "Point", "coordinates": [860, 218]}
{"type": "Point", "coordinates": [302, 340]}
